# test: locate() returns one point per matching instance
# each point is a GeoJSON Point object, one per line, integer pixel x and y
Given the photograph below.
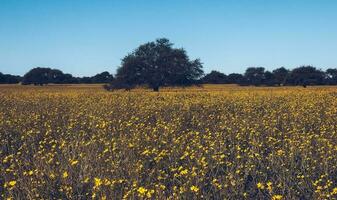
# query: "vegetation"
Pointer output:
{"type": "Point", "coordinates": [9, 79]}
{"type": "Point", "coordinates": [42, 76]}
{"type": "Point", "coordinates": [158, 64]}
{"type": "Point", "coordinates": [81, 142]}
{"type": "Point", "coordinates": [258, 76]}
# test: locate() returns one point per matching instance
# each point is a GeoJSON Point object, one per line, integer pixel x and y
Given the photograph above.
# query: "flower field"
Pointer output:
{"type": "Point", "coordinates": [217, 142]}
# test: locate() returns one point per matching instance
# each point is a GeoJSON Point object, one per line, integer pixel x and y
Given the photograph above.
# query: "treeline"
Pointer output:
{"type": "Point", "coordinates": [158, 64]}
{"type": "Point", "coordinates": [258, 76]}
{"type": "Point", "coordinates": [42, 76]}
{"type": "Point", "coordinates": [9, 79]}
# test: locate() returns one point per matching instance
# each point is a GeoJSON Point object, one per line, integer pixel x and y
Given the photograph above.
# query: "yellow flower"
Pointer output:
{"type": "Point", "coordinates": [276, 197]}
{"type": "Point", "coordinates": [260, 185]}
{"type": "Point", "coordinates": [269, 186]}
{"type": "Point", "coordinates": [142, 190]}
{"type": "Point", "coordinates": [12, 183]}
{"type": "Point", "coordinates": [52, 176]}
{"type": "Point", "coordinates": [98, 182]}
{"type": "Point", "coordinates": [194, 189]}
{"type": "Point", "coordinates": [334, 191]}
{"type": "Point", "coordinates": [74, 162]}
{"type": "Point", "coordinates": [65, 174]}
{"type": "Point", "coordinates": [149, 193]}
{"type": "Point", "coordinates": [183, 172]}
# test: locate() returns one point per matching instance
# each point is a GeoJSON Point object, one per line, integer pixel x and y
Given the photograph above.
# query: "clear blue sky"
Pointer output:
{"type": "Point", "coordinates": [85, 37]}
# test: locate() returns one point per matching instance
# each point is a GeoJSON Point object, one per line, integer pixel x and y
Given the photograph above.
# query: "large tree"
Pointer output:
{"type": "Point", "coordinates": [158, 64]}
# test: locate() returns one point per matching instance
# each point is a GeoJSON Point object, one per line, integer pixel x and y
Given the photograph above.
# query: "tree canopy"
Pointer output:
{"type": "Point", "coordinates": [9, 79]}
{"type": "Point", "coordinates": [215, 77]}
{"type": "Point", "coordinates": [42, 75]}
{"type": "Point", "coordinates": [258, 76]}
{"type": "Point", "coordinates": [158, 64]}
{"type": "Point", "coordinates": [45, 75]}
{"type": "Point", "coordinates": [306, 75]}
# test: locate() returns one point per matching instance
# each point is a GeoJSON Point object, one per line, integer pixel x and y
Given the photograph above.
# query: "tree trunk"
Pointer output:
{"type": "Point", "coordinates": [156, 88]}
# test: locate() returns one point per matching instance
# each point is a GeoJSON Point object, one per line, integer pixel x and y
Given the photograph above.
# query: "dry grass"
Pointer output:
{"type": "Point", "coordinates": [223, 142]}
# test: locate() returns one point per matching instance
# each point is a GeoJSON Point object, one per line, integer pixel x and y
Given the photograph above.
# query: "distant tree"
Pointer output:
{"type": "Point", "coordinates": [269, 79]}
{"type": "Point", "coordinates": [9, 79]}
{"type": "Point", "coordinates": [331, 76]}
{"type": "Point", "coordinates": [41, 76]}
{"type": "Point", "coordinates": [215, 77]}
{"type": "Point", "coordinates": [255, 75]}
{"type": "Point", "coordinates": [69, 79]}
{"type": "Point", "coordinates": [85, 80]}
{"type": "Point", "coordinates": [104, 77]}
{"type": "Point", "coordinates": [306, 75]}
{"type": "Point", "coordinates": [158, 64]}
{"type": "Point", "coordinates": [2, 78]}
{"type": "Point", "coordinates": [55, 76]}
{"type": "Point", "coordinates": [37, 76]}
{"type": "Point", "coordinates": [280, 75]}
{"type": "Point", "coordinates": [235, 78]}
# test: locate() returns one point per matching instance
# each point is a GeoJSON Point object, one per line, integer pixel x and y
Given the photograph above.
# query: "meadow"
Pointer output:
{"type": "Point", "coordinates": [211, 142]}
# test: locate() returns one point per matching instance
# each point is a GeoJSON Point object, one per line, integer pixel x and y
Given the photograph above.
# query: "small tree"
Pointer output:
{"type": "Point", "coordinates": [235, 78]}
{"type": "Point", "coordinates": [255, 75]}
{"type": "Point", "coordinates": [104, 77]}
{"type": "Point", "coordinates": [280, 75]}
{"type": "Point", "coordinates": [331, 76]}
{"type": "Point", "coordinates": [158, 64]}
{"type": "Point", "coordinates": [215, 77]}
{"type": "Point", "coordinates": [269, 79]}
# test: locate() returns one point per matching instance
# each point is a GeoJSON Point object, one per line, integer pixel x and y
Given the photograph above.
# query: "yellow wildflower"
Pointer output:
{"type": "Point", "coordinates": [194, 189]}
{"type": "Point", "coordinates": [276, 197]}
{"type": "Point", "coordinates": [65, 174]}
{"type": "Point", "coordinates": [260, 185]}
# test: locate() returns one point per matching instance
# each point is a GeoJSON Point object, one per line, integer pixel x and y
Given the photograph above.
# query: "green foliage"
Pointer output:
{"type": "Point", "coordinates": [158, 64]}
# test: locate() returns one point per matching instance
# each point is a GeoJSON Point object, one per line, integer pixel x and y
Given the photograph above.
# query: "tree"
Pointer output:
{"type": "Point", "coordinates": [235, 78]}
{"type": "Point", "coordinates": [85, 80]}
{"type": "Point", "coordinates": [255, 75]}
{"type": "Point", "coordinates": [9, 79]}
{"type": "Point", "coordinates": [215, 77]}
{"type": "Point", "coordinates": [36, 76]}
{"type": "Point", "coordinates": [41, 76]}
{"type": "Point", "coordinates": [306, 75]}
{"type": "Point", "coordinates": [104, 77]}
{"type": "Point", "coordinates": [331, 76]}
{"type": "Point", "coordinates": [280, 75]}
{"type": "Point", "coordinates": [269, 78]}
{"type": "Point", "coordinates": [158, 64]}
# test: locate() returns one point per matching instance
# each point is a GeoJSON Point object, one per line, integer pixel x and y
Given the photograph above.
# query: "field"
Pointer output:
{"type": "Point", "coordinates": [222, 142]}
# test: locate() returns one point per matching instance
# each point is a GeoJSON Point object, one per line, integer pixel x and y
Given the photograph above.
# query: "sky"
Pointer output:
{"type": "Point", "coordinates": [86, 37]}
